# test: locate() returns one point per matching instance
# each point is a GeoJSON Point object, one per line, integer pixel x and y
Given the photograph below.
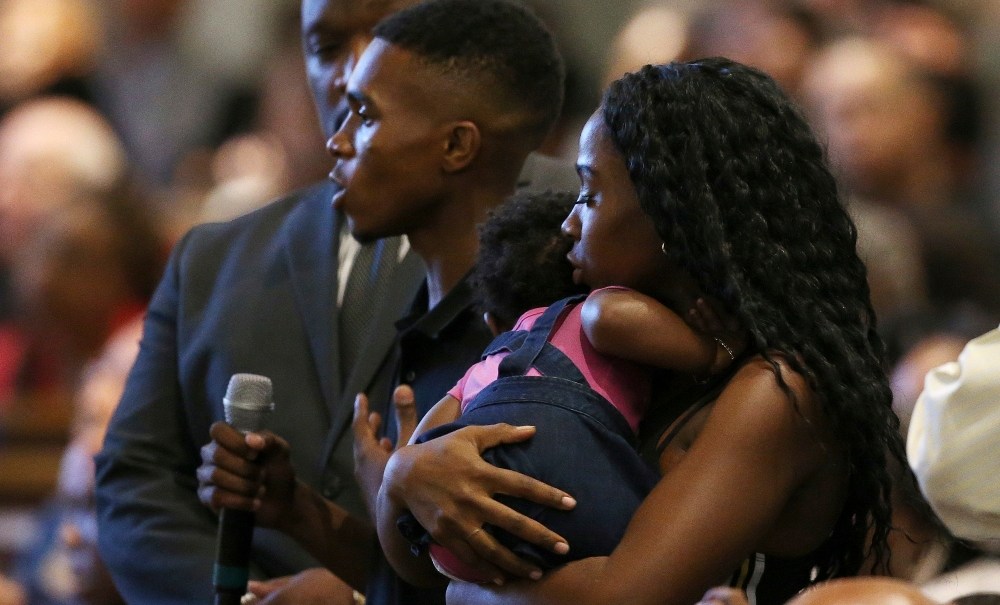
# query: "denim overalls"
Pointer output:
{"type": "Point", "coordinates": [583, 445]}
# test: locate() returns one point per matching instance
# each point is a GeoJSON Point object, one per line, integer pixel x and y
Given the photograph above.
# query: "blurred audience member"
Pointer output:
{"type": "Point", "coordinates": [49, 47]}
{"type": "Point", "coordinates": [778, 38]}
{"type": "Point", "coordinates": [163, 101]}
{"type": "Point", "coordinates": [654, 34]}
{"type": "Point", "coordinates": [886, 123]}
{"type": "Point", "coordinates": [952, 449]}
{"type": "Point", "coordinates": [283, 151]}
{"type": "Point", "coordinates": [52, 151]}
{"type": "Point", "coordinates": [11, 592]}
{"type": "Point", "coordinates": [926, 35]}
{"type": "Point", "coordinates": [63, 567]}
{"type": "Point", "coordinates": [88, 270]}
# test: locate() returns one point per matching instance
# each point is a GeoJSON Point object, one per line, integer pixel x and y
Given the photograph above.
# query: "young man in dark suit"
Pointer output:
{"type": "Point", "coordinates": [261, 294]}
{"type": "Point", "coordinates": [445, 104]}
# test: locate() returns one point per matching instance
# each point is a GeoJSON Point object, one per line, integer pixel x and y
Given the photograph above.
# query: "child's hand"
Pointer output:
{"type": "Point", "coordinates": [710, 317]}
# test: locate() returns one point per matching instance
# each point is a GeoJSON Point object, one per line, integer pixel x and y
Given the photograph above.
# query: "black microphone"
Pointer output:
{"type": "Point", "coordinates": [247, 403]}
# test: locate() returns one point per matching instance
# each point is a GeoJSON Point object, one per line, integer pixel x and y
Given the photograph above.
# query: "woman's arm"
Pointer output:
{"type": "Point", "coordinates": [627, 324]}
{"type": "Point", "coordinates": [725, 498]}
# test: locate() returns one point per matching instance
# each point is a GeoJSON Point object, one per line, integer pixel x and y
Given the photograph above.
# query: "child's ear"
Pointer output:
{"type": "Point", "coordinates": [494, 325]}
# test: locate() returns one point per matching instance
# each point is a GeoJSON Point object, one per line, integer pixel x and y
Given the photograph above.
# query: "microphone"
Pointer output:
{"type": "Point", "coordinates": [247, 403]}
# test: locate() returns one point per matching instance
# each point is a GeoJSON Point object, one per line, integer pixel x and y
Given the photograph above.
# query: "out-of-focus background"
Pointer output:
{"type": "Point", "coordinates": [125, 122]}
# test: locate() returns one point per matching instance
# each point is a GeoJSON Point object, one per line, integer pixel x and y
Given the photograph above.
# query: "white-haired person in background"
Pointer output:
{"type": "Point", "coordinates": [952, 447]}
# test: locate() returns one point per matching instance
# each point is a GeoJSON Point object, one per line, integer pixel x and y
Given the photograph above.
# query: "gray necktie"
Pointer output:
{"type": "Point", "coordinates": [366, 287]}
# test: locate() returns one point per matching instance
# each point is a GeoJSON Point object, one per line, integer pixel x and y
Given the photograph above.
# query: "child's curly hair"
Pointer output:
{"type": "Point", "coordinates": [522, 256]}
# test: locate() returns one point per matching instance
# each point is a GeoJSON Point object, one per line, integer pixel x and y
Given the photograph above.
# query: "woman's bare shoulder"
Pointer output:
{"type": "Point", "coordinates": [773, 405]}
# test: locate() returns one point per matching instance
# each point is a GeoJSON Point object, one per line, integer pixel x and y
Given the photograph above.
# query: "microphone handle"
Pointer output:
{"type": "Point", "coordinates": [232, 562]}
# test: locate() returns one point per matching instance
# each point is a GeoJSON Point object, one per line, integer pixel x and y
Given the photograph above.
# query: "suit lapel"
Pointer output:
{"type": "Point", "coordinates": [310, 242]}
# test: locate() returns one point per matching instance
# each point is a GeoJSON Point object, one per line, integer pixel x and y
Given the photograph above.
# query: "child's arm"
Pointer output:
{"type": "Point", "coordinates": [633, 326]}
{"type": "Point", "coordinates": [448, 409]}
{"type": "Point", "coordinates": [416, 570]}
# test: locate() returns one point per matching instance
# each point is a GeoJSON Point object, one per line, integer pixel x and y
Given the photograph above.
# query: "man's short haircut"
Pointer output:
{"type": "Point", "coordinates": [497, 44]}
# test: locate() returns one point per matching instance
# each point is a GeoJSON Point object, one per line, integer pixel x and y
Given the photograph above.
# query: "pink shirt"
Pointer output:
{"type": "Point", "coordinates": [623, 383]}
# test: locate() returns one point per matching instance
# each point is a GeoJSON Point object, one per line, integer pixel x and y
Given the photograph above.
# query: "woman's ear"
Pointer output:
{"type": "Point", "coordinates": [462, 146]}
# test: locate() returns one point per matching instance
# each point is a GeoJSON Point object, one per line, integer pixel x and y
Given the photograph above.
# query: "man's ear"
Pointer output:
{"type": "Point", "coordinates": [462, 146]}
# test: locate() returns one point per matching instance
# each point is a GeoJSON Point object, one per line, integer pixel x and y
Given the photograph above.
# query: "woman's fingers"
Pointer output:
{"type": "Point", "coordinates": [524, 527]}
{"type": "Point", "coordinates": [453, 511]}
{"type": "Point", "coordinates": [513, 483]}
{"type": "Point", "coordinates": [493, 435]}
{"type": "Point", "coordinates": [478, 507]}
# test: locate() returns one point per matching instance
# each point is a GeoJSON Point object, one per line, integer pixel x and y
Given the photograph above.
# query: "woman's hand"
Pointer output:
{"type": "Point", "coordinates": [449, 488]}
{"type": "Point", "coordinates": [247, 472]}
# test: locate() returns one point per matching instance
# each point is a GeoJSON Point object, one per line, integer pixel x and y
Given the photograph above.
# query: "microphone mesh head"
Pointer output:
{"type": "Point", "coordinates": [249, 399]}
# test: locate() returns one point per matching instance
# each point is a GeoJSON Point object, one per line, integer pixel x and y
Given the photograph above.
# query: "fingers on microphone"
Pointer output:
{"type": "Point", "coordinates": [229, 463]}
{"type": "Point", "coordinates": [219, 490]}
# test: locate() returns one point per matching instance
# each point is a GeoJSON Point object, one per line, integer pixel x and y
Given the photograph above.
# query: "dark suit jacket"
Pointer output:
{"type": "Point", "coordinates": [257, 295]}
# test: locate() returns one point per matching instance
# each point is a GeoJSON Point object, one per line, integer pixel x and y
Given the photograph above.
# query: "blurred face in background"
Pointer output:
{"type": "Point", "coordinates": [334, 34]}
{"type": "Point", "coordinates": [100, 390]}
{"type": "Point", "coordinates": [877, 118]}
{"type": "Point", "coordinates": [70, 279]}
{"type": "Point", "coordinates": [51, 150]}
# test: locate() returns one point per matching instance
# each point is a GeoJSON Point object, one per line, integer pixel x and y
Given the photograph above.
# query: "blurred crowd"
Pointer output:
{"type": "Point", "coordinates": [125, 122]}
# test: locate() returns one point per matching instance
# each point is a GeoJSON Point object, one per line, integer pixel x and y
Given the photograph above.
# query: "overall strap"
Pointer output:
{"type": "Point", "coordinates": [505, 341]}
{"type": "Point", "coordinates": [518, 362]}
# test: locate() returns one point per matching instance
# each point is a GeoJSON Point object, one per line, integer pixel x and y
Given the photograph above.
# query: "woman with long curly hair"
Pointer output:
{"type": "Point", "coordinates": [775, 478]}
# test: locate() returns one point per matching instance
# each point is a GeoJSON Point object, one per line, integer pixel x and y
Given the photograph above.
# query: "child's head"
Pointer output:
{"type": "Point", "coordinates": [522, 257]}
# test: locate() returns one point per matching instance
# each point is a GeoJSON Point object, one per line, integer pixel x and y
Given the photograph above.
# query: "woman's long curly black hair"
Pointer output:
{"type": "Point", "coordinates": [740, 191]}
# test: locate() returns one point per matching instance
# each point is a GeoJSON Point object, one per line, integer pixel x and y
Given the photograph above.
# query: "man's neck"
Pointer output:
{"type": "Point", "coordinates": [449, 246]}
